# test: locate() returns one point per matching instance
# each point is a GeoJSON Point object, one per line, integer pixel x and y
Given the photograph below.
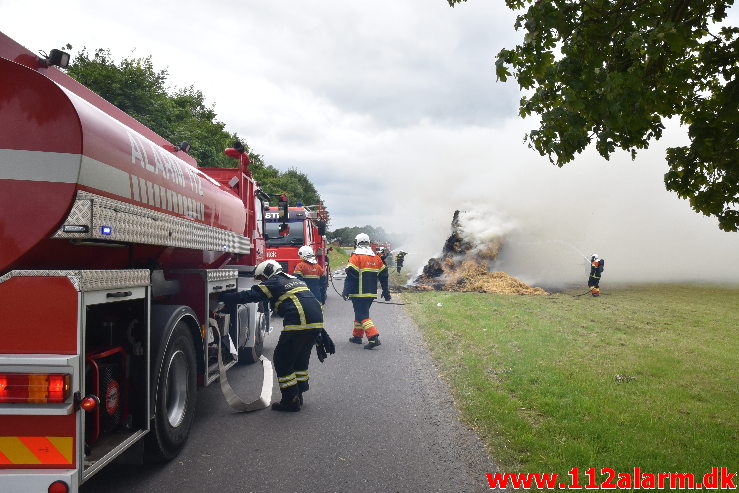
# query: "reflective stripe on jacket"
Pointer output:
{"type": "Point", "coordinates": [362, 275]}
{"type": "Point", "coordinates": [290, 298]}
{"type": "Point", "coordinates": [313, 276]}
{"type": "Point", "coordinates": [596, 268]}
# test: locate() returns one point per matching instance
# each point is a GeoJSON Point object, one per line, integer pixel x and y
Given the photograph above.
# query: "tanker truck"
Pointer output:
{"type": "Point", "coordinates": [114, 247]}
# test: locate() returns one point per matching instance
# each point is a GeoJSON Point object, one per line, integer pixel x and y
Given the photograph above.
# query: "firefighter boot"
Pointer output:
{"type": "Point", "coordinates": [289, 404]}
{"type": "Point", "coordinates": [355, 340]}
{"type": "Point", "coordinates": [302, 387]}
{"type": "Point", "coordinates": [373, 342]}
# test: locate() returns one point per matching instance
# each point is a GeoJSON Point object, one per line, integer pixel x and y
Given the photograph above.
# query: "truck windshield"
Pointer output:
{"type": "Point", "coordinates": [295, 238]}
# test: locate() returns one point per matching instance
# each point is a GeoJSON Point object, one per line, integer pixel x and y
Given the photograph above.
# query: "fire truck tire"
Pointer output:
{"type": "Point", "coordinates": [249, 355]}
{"type": "Point", "coordinates": [176, 395]}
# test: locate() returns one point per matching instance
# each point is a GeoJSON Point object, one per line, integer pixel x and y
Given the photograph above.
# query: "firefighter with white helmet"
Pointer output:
{"type": "Point", "coordinates": [310, 271]}
{"type": "Point", "coordinates": [596, 269]}
{"type": "Point", "coordinates": [303, 321]}
{"type": "Point", "coordinates": [364, 271]}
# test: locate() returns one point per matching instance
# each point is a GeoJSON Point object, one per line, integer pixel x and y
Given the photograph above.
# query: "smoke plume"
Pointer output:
{"type": "Point", "coordinates": [552, 218]}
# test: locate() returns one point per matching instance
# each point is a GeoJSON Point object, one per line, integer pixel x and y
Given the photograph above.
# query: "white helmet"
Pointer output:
{"type": "Point", "coordinates": [362, 238]}
{"type": "Point", "coordinates": [306, 253]}
{"type": "Point", "coordinates": [595, 257]}
{"type": "Point", "coordinates": [267, 269]}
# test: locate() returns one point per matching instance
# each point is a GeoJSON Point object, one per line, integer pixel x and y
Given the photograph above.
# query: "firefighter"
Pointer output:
{"type": "Point", "coordinates": [310, 271]}
{"type": "Point", "coordinates": [399, 258]}
{"type": "Point", "coordinates": [382, 254]}
{"type": "Point", "coordinates": [596, 269]}
{"type": "Point", "coordinates": [364, 271]}
{"type": "Point", "coordinates": [303, 321]}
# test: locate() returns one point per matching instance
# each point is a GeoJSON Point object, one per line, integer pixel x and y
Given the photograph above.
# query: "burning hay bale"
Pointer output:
{"type": "Point", "coordinates": [466, 264]}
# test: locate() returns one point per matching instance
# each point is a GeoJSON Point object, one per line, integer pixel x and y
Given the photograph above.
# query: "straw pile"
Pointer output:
{"type": "Point", "coordinates": [466, 264]}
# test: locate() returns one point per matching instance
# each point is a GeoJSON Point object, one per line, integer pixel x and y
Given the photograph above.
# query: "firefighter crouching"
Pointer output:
{"type": "Point", "coordinates": [364, 271]}
{"type": "Point", "coordinates": [596, 269]}
{"type": "Point", "coordinates": [303, 321]}
{"type": "Point", "coordinates": [310, 271]}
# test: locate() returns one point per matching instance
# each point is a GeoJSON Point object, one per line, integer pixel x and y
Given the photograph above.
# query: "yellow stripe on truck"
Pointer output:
{"type": "Point", "coordinates": [16, 451]}
{"type": "Point", "coordinates": [37, 450]}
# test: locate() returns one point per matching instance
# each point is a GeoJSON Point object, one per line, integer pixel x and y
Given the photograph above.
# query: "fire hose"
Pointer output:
{"type": "Point", "coordinates": [380, 302]}
{"type": "Point", "coordinates": [236, 402]}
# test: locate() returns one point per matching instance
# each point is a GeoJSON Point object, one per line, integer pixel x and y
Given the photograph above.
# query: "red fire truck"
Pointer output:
{"type": "Point", "coordinates": [306, 225]}
{"type": "Point", "coordinates": [114, 246]}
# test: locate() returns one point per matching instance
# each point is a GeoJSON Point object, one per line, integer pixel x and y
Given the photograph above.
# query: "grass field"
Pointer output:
{"type": "Point", "coordinates": [645, 376]}
{"type": "Point", "coordinates": [337, 257]}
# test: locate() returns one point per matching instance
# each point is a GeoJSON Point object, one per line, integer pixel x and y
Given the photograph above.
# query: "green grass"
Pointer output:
{"type": "Point", "coordinates": [645, 376]}
{"type": "Point", "coordinates": [337, 257]}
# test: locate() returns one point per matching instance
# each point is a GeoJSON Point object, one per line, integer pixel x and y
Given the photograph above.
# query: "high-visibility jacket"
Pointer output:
{"type": "Point", "coordinates": [596, 268]}
{"type": "Point", "coordinates": [362, 275]}
{"type": "Point", "coordinates": [314, 277]}
{"type": "Point", "coordinates": [290, 298]}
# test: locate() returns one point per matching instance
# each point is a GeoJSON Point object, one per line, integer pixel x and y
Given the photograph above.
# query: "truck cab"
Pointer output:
{"type": "Point", "coordinates": [306, 226]}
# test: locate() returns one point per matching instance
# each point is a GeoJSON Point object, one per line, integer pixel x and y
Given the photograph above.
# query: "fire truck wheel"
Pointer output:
{"type": "Point", "coordinates": [249, 355]}
{"type": "Point", "coordinates": [175, 397]}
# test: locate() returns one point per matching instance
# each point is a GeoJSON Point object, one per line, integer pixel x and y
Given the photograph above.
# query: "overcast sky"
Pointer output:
{"type": "Point", "coordinates": [392, 109]}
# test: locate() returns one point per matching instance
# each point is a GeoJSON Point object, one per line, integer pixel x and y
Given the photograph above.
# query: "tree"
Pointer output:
{"type": "Point", "coordinates": [611, 71]}
{"type": "Point", "coordinates": [345, 236]}
{"type": "Point", "coordinates": [134, 86]}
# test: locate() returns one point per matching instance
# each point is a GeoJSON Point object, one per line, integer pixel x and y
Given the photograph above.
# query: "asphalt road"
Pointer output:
{"type": "Point", "coordinates": [373, 421]}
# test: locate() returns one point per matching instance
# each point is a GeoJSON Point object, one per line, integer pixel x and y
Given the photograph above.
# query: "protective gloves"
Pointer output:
{"type": "Point", "coordinates": [324, 345]}
{"type": "Point", "coordinates": [229, 297]}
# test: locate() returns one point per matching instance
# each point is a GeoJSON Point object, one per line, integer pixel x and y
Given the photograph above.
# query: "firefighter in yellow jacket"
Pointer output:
{"type": "Point", "coordinates": [290, 298]}
{"type": "Point", "coordinates": [364, 271]}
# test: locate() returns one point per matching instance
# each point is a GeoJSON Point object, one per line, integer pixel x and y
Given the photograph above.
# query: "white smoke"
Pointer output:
{"type": "Point", "coordinates": [553, 218]}
{"type": "Point", "coordinates": [482, 223]}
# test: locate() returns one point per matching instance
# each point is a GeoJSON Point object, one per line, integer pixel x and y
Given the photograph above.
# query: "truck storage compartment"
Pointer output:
{"type": "Point", "coordinates": [116, 372]}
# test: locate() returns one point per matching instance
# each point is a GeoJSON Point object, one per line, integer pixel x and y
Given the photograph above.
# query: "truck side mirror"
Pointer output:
{"type": "Point", "coordinates": [282, 209]}
{"type": "Point", "coordinates": [321, 226]}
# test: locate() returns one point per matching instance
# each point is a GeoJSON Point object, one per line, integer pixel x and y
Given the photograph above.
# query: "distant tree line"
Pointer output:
{"type": "Point", "coordinates": [345, 236]}
{"type": "Point", "coordinates": [179, 114]}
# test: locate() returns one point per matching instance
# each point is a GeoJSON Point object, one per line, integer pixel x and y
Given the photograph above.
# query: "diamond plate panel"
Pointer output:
{"type": "Point", "coordinates": [221, 274]}
{"type": "Point", "coordinates": [90, 280]}
{"type": "Point", "coordinates": [135, 224]}
{"type": "Point", "coordinates": [80, 215]}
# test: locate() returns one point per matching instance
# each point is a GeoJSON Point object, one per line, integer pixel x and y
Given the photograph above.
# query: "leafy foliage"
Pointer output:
{"type": "Point", "coordinates": [345, 236]}
{"type": "Point", "coordinates": [134, 86]}
{"type": "Point", "coordinates": [611, 71]}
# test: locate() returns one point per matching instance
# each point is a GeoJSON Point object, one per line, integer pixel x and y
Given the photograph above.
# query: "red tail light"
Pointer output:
{"type": "Point", "coordinates": [58, 487]}
{"type": "Point", "coordinates": [34, 388]}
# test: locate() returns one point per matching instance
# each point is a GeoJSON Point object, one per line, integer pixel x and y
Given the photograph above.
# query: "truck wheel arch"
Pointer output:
{"type": "Point", "coordinates": [164, 318]}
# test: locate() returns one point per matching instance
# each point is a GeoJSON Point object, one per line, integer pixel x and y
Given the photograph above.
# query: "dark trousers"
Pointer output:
{"type": "Point", "coordinates": [361, 308]}
{"type": "Point", "coordinates": [363, 324]}
{"type": "Point", "coordinates": [593, 285]}
{"type": "Point", "coordinates": [291, 357]}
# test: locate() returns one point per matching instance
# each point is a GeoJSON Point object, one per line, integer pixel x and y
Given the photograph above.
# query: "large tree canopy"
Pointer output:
{"type": "Point", "coordinates": [611, 71]}
{"type": "Point", "coordinates": [134, 86]}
